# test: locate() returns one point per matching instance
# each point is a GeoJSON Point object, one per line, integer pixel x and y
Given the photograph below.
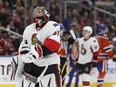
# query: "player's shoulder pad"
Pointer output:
{"type": "Point", "coordinates": [30, 26]}
{"type": "Point", "coordinates": [53, 23]}
{"type": "Point", "coordinates": [93, 40]}
{"type": "Point", "coordinates": [102, 36]}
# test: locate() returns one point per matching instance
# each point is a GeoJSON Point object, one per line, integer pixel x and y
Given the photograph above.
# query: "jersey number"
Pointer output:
{"type": "Point", "coordinates": [83, 50]}
{"type": "Point", "coordinates": [56, 33]}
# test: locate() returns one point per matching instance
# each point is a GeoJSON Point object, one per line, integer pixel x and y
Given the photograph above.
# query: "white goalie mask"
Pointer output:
{"type": "Point", "coordinates": [40, 14]}
{"type": "Point", "coordinates": [30, 56]}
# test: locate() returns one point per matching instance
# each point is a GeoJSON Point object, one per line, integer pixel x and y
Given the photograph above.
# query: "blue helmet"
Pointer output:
{"type": "Point", "coordinates": [61, 26]}
{"type": "Point", "coordinates": [102, 27]}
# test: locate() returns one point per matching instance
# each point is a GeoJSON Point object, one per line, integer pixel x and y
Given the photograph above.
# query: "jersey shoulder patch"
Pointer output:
{"type": "Point", "coordinates": [93, 39]}
{"type": "Point", "coordinates": [55, 24]}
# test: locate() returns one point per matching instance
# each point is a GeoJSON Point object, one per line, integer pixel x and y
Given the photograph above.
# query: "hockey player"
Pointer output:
{"type": "Point", "coordinates": [37, 64]}
{"type": "Point", "coordinates": [105, 52]}
{"type": "Point", "coordinates": [72, 66]}
{"type": "Point", "coordinates": [88, 53]}
{"type": "Point", "coordinates": [114, 48]}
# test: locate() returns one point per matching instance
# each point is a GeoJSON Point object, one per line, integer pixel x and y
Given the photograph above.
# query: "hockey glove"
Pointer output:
{"type": "Point", "coordinates": [34, 53]}
{"type": "Point", "coordinates": [24, 49]}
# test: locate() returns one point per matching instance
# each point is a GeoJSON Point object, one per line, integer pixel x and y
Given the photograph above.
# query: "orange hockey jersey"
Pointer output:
{"type": "Point", "coordinates": [105, 50]}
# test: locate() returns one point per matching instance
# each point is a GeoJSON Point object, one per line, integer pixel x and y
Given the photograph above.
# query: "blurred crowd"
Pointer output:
{"type": "Point", "coordinates": [12, 17]}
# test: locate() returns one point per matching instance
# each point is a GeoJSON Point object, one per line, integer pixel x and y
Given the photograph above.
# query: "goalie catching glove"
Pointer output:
{"type": "Point", "coordinates": [34, 52]}
{"type": "Point", "coordinates": [24, 49]}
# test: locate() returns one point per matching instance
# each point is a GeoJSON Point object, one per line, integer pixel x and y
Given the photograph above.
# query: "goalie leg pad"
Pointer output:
{"type": "Point", "coordinates": [33, 69]}
{"type": "Point", "coordinates": [17, 68]}
{"type": "Point", "coordinates": [47, 81]}
{"type": "Point", "coordinates": [36, 71]}
{"type": "Point", "coordinates": [25, 83]}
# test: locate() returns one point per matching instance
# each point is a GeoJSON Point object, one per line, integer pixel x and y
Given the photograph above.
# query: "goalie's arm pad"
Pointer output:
{"type": "Point", "coordinates": [50, 45]}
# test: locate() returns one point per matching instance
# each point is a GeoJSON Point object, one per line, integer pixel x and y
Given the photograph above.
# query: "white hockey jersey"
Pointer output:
{"type": "Point", "coordinates": [87, 49]}
{"type": "Point", "coordinates": [49, 31]}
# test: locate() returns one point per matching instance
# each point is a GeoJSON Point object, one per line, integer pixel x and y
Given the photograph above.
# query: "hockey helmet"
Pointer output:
{"type": "Point", "coordinates": [102, 27]}
{"type": "Point", "coordinates": [43, 10]}
{"type": "Point", "coordinates": [61, 26]}
{"type": "Point", "coordinates": [88, 28]}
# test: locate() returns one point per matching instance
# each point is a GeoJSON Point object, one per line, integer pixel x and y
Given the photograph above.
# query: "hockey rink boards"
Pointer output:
{"type": "Point", "coordinates": [5, 71]}
{"type": "Point", "coordinates": [110, 78]}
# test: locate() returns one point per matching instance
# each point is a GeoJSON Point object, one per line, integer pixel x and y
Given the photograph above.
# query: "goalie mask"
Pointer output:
{"type": "Point", "coordinates": [40, 14]}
